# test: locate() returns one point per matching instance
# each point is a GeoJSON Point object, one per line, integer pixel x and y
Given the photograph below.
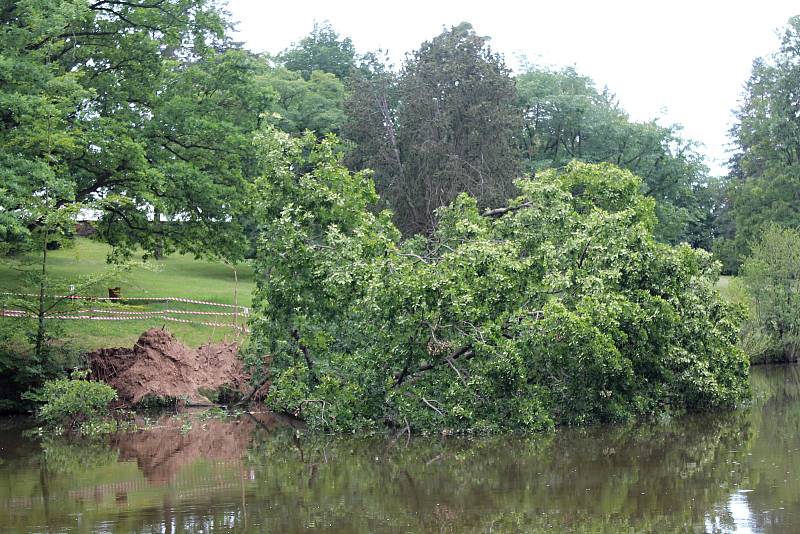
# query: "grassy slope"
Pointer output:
{"type": "Point", "coordinates": [178, 276]}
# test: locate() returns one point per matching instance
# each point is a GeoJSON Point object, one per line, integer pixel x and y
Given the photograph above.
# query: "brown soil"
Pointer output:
{"type": "Point", "coordinates": [161, 366]}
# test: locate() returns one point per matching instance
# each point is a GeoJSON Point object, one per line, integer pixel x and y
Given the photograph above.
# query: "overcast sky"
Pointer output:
{"type": "Point", "coordinates": [680, 61]}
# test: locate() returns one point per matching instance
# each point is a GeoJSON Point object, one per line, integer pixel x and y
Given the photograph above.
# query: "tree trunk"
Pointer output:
{"type": "Point", "coordinates": [40, 331]}
{"type": "Point", "coordinates": [158, 250]}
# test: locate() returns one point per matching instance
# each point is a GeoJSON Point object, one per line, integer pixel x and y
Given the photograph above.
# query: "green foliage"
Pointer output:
{"type": "Point", "coordinates": [566, 117]}
{"type": "Point", "coordinates": [321, 50]}
{"type": "Point", "coordinates": [452, 121]}
{"type": "Point", "coordinates": [753, 340]}
{"type": "Point", "coordinates": [300, 104]}
{"type": "Point", "coordinates": [21, 368]}
{"type": "Point", "coordinates": [144, 106]}
{"type": "Point", "coordinates": [72, 402]}
{"type": "Point", "coordinates": [560, 308]}
{"type": "Point", "coordinates": [198, 145]}
{"type": "Point", "coordinates": [766, 166]}
{"type": "Point", "coordinates": [771, 277]}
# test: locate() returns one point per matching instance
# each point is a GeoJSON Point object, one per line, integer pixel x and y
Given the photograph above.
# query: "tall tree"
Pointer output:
{"type": "Point", "coordinates": [765, 169]}
{"type": "Point", "coordinates": [321, 50]}
{"type": "Point", "coordinates": [451, 130]}
{"type": "Point", "coordinates": [143, 108]}
{"type": "Point", "coordinates": [371, 120]}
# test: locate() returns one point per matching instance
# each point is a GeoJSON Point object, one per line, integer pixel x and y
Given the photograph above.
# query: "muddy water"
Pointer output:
{"type": "Point", "coordinates": [735, 472]}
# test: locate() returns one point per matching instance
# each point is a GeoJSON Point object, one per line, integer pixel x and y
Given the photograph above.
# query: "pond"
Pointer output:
{"type": "Point", "coordinates": [726, 472]}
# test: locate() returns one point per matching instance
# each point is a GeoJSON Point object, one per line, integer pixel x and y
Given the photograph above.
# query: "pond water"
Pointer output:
{"type": "Point", "coordinates": [727, 472]}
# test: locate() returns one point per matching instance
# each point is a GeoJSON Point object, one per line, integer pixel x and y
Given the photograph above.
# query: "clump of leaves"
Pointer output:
{"type": "Point", "coordinates": [74, 402]}
{"type": "Point", "coordinates": [559, 308]}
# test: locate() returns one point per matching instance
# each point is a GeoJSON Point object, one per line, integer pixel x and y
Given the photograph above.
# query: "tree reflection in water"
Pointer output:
{"type": "Point", "coordinates": [714, 473]}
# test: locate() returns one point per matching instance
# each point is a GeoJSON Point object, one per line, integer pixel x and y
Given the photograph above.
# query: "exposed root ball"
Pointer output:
{"type": "Point", "coordinates": [159, 365]}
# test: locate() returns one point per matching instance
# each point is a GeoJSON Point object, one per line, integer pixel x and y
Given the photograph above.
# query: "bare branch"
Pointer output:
{"type": "Point", "coordinates": [432, 406]}
{"type": "Point", "coordinates": [404, 377]}
{"type": "Point", "coordinates": [499, 212]}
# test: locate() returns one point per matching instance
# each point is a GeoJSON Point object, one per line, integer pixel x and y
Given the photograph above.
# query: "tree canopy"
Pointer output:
{"type": "Point", "coordinates": [298, 104]}
{"type": "Point", "coordinates": [567, 118]}
{"type": "Point", "coordinates": [321, 50]}
{"type": "Point", "coordinates": [765, 175]}
{"type": "Point", "coordinates": [146, 112]}
{"type": "Point", "coordinates": [143, 109]}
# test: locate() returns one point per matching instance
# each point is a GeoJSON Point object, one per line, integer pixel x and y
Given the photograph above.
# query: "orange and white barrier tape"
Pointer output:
{"type": "Point", "coordinates": [149, 299]}
{"type": "Point", "coordinates": [139, 316]}
{"type": "Point", "coordinates": [183, 312]}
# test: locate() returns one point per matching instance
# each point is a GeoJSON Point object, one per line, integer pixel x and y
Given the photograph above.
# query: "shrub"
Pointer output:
{"type": "Point", "coordinates": [71, 402]}
{"type": "Point", "coordinates": [771, 277]}
{"type": "Point", "coordinates": [559, 308]}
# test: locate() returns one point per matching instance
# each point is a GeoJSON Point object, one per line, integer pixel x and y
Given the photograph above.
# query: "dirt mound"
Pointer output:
{"type": "Point", "coordinates": [160, 365]}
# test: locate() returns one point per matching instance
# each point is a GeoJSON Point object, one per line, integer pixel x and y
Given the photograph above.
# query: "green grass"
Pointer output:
{"type": "Point", "coordinates": [724, 281]}
{"type": "Point", "coordinates": [724, 285]}
{"type": "Point", "coordinates": [175, 276]}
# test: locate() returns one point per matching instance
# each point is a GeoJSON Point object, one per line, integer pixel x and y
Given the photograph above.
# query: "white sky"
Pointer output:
{"type": "Point", "coordinates": [681, 61]}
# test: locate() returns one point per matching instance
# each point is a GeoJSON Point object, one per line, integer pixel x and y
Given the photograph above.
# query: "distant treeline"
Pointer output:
{"type": "Point", "coordinates": [146, 112]}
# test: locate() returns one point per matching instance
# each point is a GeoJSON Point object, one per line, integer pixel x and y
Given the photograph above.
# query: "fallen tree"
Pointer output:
{"type": "Point", "coordinates": [559, 308]}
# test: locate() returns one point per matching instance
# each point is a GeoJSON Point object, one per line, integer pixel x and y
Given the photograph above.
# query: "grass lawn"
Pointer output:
{"type": "Point", "coordinates": [175, 276]}
{"type": "Point", "coordinates": [724, 285]}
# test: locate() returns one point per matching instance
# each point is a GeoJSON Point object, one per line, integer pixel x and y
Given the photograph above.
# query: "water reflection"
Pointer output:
{"type": "Point", "coordinates": [728, 472]}
{"type": "Point", "coordinates": [161, 452]}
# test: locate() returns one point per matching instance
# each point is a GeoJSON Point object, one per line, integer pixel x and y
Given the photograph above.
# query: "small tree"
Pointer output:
{"type": "Point", "coordinates": [771, 275]}
{"type": "Point", "coordinates": [27, 357]}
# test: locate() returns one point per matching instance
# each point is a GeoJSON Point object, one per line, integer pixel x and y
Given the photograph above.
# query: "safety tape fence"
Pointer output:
{"type": "Point", "coordinates": [146, 315]}
{"type": "Point", "coordinates": [182, 312]}
{"type": "Point", "coordinates": [148, 299]}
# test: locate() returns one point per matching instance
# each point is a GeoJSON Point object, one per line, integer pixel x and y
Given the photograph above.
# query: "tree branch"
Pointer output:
{"type": "Point", "coordinates": [306, 355]}
{"type": "Point", "coordinates": [437, 410]}
{"type": "Point", "coordinates": [404, 377]}
{"type": "Point", "coordinates": [499, 212]}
